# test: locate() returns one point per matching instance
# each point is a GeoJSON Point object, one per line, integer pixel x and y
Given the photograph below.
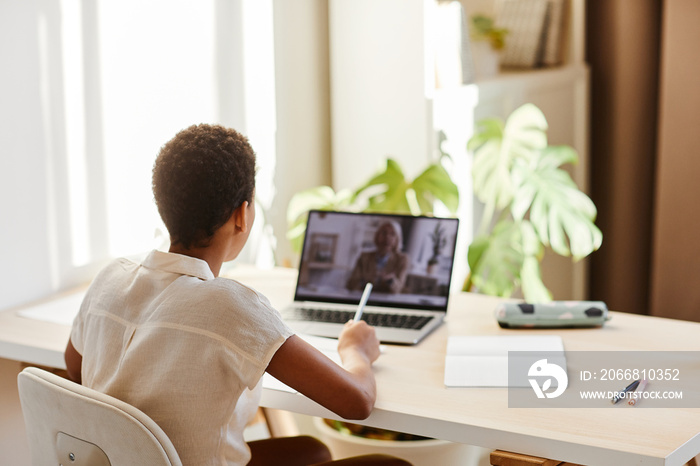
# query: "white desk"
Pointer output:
{"type": "Point", "coordinates": [412, 396]}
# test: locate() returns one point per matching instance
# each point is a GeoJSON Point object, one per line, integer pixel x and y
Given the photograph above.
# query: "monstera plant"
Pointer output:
{"type": "Point", "coordinates": [530, 203]}
{"type": "Point", "coordinates": [388, 191]}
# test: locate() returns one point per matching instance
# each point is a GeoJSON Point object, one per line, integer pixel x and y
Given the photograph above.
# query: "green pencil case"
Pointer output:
{"type": "Point", "coordinates": [555, 314]}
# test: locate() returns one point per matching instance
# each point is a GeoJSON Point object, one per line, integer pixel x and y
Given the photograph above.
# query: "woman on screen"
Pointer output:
{"type": "Point", "coordinates": [386, 266]}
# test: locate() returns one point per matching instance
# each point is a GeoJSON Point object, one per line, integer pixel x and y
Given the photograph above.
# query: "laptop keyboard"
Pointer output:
{"type": "Point", "coordinates": [335, 316]}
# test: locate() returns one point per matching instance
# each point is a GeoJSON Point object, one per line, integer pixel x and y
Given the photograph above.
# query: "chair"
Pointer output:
{"type": "Point", "coordinates": [72, 425]}
{"type": "Point", "coordinates": [69, 424]}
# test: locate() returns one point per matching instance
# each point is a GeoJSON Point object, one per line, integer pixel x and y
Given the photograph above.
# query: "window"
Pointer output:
{"type": "Point", "coordinates": [115, 81]}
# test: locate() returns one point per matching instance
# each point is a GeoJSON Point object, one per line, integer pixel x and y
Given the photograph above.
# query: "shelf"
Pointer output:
{"type": "Point", "coordinates": [523, 76]}
{"type": "Point", "coordinates": [535, 78]}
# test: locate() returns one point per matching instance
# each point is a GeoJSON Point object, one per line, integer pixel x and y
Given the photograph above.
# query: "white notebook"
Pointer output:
{"type": "Point", "coordinates": [482, 361]}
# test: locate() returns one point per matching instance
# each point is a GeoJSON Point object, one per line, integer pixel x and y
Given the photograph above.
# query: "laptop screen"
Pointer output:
{"type": "Point", "coordinates": [408, 259]}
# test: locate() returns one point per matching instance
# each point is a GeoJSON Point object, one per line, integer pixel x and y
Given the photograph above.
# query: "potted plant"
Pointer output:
{"type": "Point", "coordinates": [530, 203]}
{"type": "Point", "coordinates": [345, 439]}
{"type": "Point", "coordinates": [487, 43]}
{"type": "Point", "coordinates": [388, 191]}
{"type": "Point", "coordinates": [438, 239]}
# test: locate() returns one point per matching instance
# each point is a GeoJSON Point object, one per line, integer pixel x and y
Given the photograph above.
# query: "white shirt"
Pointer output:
{"type": "Point", "coordinates": [186, 348]}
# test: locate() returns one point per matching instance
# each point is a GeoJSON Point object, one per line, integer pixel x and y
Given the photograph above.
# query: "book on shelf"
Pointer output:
{"type": "Point", "coordinates": [535, 32]}
{"type": "Point", "coordinates": [554, 33]}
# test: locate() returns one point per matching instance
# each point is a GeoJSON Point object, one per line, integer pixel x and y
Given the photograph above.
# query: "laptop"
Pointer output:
{"type": "Point", "coordinates": [408, 259]}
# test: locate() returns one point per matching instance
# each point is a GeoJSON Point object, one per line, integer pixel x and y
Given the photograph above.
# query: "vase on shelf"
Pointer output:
{"type": "Point", "coordinates": [432, 266]}
{"type": "Point", "coordinates": [487, 61]}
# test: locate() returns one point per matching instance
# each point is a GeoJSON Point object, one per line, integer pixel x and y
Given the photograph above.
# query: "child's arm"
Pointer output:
{"type": "Point", "coordinates": [349, 391]}
{"type": "Point", "coordinates": [74, 362]}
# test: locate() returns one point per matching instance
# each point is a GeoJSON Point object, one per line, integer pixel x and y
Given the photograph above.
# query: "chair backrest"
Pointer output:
{"type": "Point", "coordinates": [73, 425]}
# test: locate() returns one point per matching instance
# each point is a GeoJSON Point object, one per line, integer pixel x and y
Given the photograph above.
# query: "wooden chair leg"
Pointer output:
{"type": "Point", "coordinates": [280, 423]}
{"type": "Point", "coordinates": [506, 458]}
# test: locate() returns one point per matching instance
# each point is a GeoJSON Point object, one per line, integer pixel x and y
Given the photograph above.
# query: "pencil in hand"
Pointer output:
{"type": "Point", "coordinates": [363, 301]}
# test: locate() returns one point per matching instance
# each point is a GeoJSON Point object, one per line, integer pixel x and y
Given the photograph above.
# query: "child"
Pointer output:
{"type": "Point", "coordinates": [189, 349]}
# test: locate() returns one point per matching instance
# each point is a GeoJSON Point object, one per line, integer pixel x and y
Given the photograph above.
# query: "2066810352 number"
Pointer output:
{"type": "Point", "coordinates": [637, 374]}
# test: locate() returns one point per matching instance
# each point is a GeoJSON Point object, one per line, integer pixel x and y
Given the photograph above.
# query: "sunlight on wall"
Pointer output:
{"type": "Point", "coordinates": [75, 129]}
{"type": "Point", "coordinates": [45, 92]}
{"type": "Point", "coordinates": [134, 74]}
{"type": "Point", "coordinates": [260, 117]}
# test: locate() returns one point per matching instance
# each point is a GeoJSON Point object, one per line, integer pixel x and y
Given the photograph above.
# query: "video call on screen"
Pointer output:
{"type": "Point", "coordinates": [408, 259]}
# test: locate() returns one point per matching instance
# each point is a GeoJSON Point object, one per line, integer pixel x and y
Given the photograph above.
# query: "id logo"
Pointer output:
{"type": "Point", "coordinates": [541, 369]}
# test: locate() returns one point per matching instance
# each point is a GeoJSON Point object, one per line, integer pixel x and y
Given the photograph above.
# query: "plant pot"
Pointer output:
{"type": "Point", "coordinates": [487, 61]}
{"type": "Point", "coordinates": [417, 452]}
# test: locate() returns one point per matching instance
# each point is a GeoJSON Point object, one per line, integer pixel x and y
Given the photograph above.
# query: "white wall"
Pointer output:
{"type": "Point", "coordinates": [303, 108]}
{"type": "Point", "coordinates": [26, 155]}
{"type": "Point", "coordinates": [381, 76]}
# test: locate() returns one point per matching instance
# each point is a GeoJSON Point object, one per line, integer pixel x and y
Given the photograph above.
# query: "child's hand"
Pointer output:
{"type": "Point", "coordinates": [360, 337]}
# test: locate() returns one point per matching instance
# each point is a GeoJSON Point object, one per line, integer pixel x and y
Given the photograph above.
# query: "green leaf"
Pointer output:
{"type": "Point", "coordinates": [584, 236]}
{"type": "Point", "coordinates": [555, 230]}
{"type": "Point", "coordinates": [387, 191]}
{"type": "Point", "coordinates": [496, 260]}
{"type": "Point", "coordinates": [318, 198]}
{"type": "Point", "coordinates": [476, 251]}
{"type": "Point", "coordinates": [496, 147]}
{"type": "Point", "coordinates": [435, 184]}
{"type": "Point", "coordinates": [488, 129]}
{"type": "Point", "coordinates": [390, 191]}
{"type": "Point", "coordinates": [525, 132]}
{"type": "Point", "coordinates": [556, 156]}
{"type": "Point", "coordinates": [394, 199]}
{"type": "Point", "coordinates": [561, 214]}
{"type": "Point", "coordinates": [530, 275]}
{"type": "Point", "coordinates": [391, 177]}
{"type": "Point", "coordinates": [491, 174]}
{"type": "Point", "coordinates": [506, 259]}
{"type": "Point", "coordinates": [522, 201]}
{"type": "Point", "coordinates": [531, 245]}
{"type": "Point", "coordinates": [295, 234]}
{"type": "Point", "coordinates": [533, 288]}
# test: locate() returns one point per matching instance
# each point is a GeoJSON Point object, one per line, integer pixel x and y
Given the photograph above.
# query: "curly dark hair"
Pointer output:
{"type": "Point", "coordinates": [199, 178]}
